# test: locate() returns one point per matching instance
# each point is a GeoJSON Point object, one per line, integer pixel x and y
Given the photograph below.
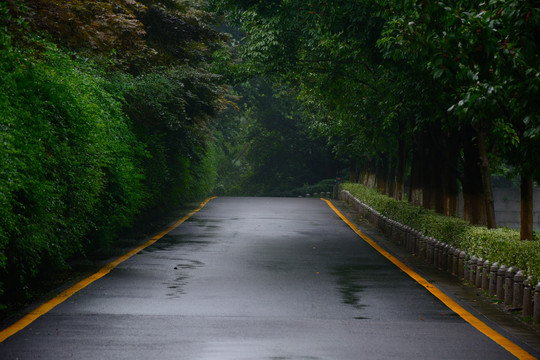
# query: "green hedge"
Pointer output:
{"type": "Point", "coordinates": [79, 158]}
{"type": "Point", "coordinates": [68, 161]}
{"type": "Point", "coordinates": [501, 245]}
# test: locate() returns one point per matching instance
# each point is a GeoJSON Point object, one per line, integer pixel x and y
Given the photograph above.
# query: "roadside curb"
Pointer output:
{"type": "Point", "coordinates": [44, 308]}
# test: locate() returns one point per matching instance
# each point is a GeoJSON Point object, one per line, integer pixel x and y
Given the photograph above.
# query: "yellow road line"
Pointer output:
{"type": "Point", "coordinates": [513, 348]}
{"type": "Point", "coordinates": [48, 306]}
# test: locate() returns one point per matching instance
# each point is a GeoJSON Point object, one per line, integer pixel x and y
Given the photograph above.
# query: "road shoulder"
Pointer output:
{"type": "Point", "coordinates": [472, 299]}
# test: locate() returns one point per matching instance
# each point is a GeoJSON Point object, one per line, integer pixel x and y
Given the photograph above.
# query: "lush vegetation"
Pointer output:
{"type": "Point", "coordinates": [110, 110]}
{"type": "Point", "coordinates": [101, 119]}
{"type": "Point", "coordinates": [267, 148]}
{"type": "Point", "coordinates": [439, 93]}
{"type": "Point", "coordinates": [500, 245]}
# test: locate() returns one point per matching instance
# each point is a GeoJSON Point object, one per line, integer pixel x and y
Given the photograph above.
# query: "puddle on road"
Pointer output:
{"type": "Point", "coordinates": [193, 243]}
{"type": "Point", "coordinates": [348, 277]}
{"type": "Point", "coordinates": [295, 358]}
{"type": "Point", "coordinates": [207, 223]}
{"type": "Point", "coordinates": [189, 264]}
{"type": "Point", "coordinates": [176, 287]}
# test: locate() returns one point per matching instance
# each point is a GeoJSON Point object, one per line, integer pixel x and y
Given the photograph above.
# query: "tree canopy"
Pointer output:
{"type": "Point", "coordinates": [444, 89]}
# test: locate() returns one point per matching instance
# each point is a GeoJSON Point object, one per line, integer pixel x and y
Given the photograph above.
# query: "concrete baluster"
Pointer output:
{"type": "Point", "coordinates": [472, 270]}
{"type": "Point", "coordinates": [466, 267]}
{"type": "Point", "coordinates": [450, 259]}
{"type": "Point", "coordinates": [536, 306]}
{"type": "Point", "coordinates": [456, 262]}
{"type": "Point", "coordinates": [485, 275]}
{"type": "Point", "coordinates": [436, 250]}
{"type": "Point", "coordinates": [429, 250]}
{"type": "Point", "coordinates": [501, 276]}
{"type": "Point", "coordinates": [527, 298]}
{"type": "Point", "coordinates": [493, 270]}
{"type": "Point", "coordinates": [392, 231]}
{"type": "Point", "coordinates": [399, 234]}
{"type": "Point", "coordinates": [414, 243]}
{"type": "Point", "coordinates": [409, 238]}
{"type": "Point", "coordinates": [415, 238]}
{"type": "Point", "coordinates": [479, 269]}
{"type": "Point", "coordinates": [461, 265]}
{"type": "Point", "coordinates": [509, 285]}
{"type": "Point", "coordinates": [440, 245]}
{"type": "Point", "coordinates": [432, 246]}
{"type": "Point", "coordinates": [444, 256]}
{"type": "Point", "coordinates": [517, 298]}
{"type": "Point", "coordinates": [403, 236]}
{"type": "Point", "coordinates": [423, 247]}
{"type": "Point", "coordinates": [440, 263]}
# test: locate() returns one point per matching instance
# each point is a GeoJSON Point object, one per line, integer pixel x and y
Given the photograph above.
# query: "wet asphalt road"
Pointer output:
{"type": "Point", "coordinates": [254, 278]}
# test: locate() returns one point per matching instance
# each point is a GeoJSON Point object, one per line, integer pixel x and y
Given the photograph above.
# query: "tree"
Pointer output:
{"type": "Point", "coordinates": [455, 77]}
{"type": "Point", "coordinates": [268, 148]}
{"type": "Point", "coordinates": [465, 45]}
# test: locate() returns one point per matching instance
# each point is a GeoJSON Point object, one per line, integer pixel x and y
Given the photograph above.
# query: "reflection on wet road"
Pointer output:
{"type": "Point", "coordinates": [254, 278]}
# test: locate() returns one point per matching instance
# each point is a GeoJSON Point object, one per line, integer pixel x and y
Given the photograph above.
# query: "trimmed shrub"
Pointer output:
{"type": "Point", "coordinates": [69, 162]}
{"type": "Point", "coordinates": [502, 245]}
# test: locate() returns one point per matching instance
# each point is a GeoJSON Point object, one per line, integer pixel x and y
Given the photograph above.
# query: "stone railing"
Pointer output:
{"type": "Point", "coordinates": [507, 283]}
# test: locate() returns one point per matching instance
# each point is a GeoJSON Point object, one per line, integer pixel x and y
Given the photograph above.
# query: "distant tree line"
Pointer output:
{"type": "Point", "coordinates": [267, 147]}
{"type": "Point", "coordinates": [441, 93]}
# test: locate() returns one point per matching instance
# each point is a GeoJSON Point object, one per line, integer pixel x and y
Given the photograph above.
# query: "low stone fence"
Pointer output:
{"type": "Point", "coordinates": [506, 283]}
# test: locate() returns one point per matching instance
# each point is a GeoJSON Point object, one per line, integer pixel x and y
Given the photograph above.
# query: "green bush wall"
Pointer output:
{"type": "Point", "coordinates": [501, 245]}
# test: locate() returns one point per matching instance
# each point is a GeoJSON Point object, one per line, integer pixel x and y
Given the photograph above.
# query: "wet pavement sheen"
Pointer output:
{"type": "Point", "coordinates": [254, 278]}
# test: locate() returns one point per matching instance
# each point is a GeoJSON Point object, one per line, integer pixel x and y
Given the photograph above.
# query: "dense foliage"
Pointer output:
{"type": "Point", "coordinates": [267, 147]}
{"type": "Point", "coordinates": [439, 93]}
{"type": "Point", "coordinates": [108, 109]}
{"type": "Point", "coordinates": [101, 119]}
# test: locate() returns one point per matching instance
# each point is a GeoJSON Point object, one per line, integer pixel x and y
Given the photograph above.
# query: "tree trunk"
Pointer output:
{"type": "Point", "coordinates": [417, 174]}
{"type": "Point", "coordinates": [450, 178]}
{"type": "Point", "coordinates": [372, 177]}
{"type": "Point", "coordinates": [382, 174]}
{"type": "Point", "coordinates": [431, 164]}
{"type": "Point", "coordinates": [429, 179]}
{"type": "Point", "coordinates": [526, 208]}
{"type": "Point", "coordinates": [400, 176]}
{"type": "Point", "coordinates": [486, 180]}
{"type": "Point", "coordinates": [352, 172]}
{"type": "Point", "coordinates": [392, 179]}
{"type": "Point", "coordinates": [474, 206]}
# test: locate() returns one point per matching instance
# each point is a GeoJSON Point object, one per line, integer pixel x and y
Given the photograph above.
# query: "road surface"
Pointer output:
{"type": "Point", "coordinates": [254, 278]}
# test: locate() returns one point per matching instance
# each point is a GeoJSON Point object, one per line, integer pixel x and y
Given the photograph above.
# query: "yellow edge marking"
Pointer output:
{"type": "Point", "coordinates": [45, 308]}
{"type": "Point", "coordinates": [454, 306]}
